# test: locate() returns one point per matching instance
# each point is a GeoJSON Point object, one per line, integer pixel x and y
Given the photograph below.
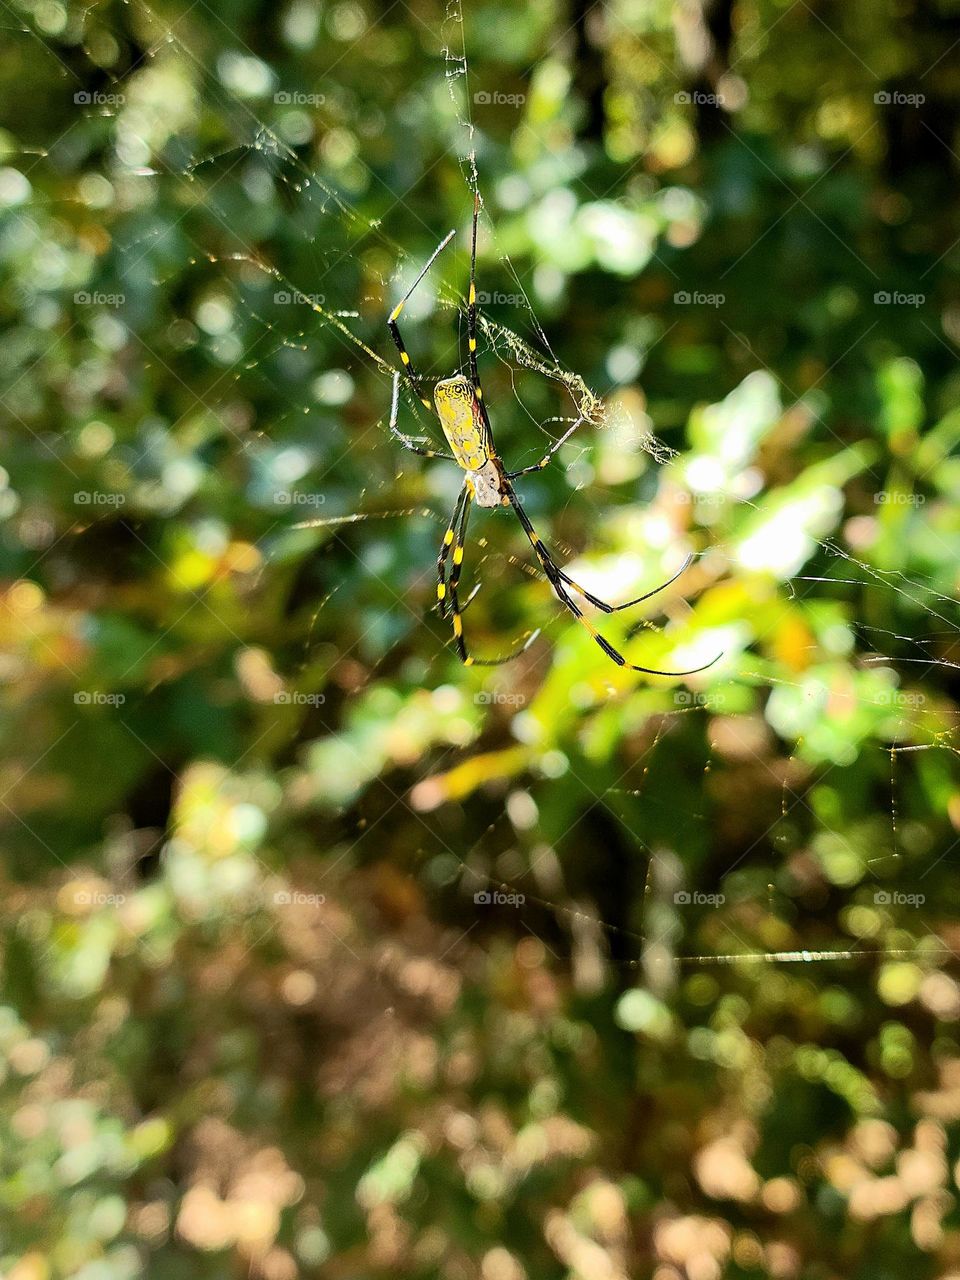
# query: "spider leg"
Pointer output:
{"type": "Point", "coordinates": [616, 608]}
{"type": "Point", "coordinates": [587, 595]}
{"type": "Point", "coordinates": [452, 531]}
{"type": "Point", "coordinates": [472, 295]}
{"type": "Point", "coordinates": [414, 378]}
{"type": "Point", "coordinates": [556, 579]}
{"type": "Point", "coordinates": [458, 549]}
{"type": "Point", "coordinates": [467, 658]}
{"type": "Point", "coordinates": [407, 441]}
{"type": "Point", "coordinates": [547, 457]}
{"type": "Point", "coordinates": [470, 598]}
{"type": "Point", "coordinates": [472, 325]}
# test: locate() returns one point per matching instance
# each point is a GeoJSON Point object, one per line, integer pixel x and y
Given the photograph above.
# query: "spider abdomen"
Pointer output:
{"type": "Point", "coordinates": [459, 415]}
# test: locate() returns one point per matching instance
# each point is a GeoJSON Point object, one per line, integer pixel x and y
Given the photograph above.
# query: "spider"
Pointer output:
{"type": "Point", "coordinates": [459, 405]}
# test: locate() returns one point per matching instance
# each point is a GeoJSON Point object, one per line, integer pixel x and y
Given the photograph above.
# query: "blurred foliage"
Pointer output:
{"type": "Point", "coordinates": [324, 955]}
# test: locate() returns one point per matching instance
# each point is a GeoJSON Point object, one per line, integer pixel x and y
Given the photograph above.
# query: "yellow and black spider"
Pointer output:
{"type": "Point", "coordinates": [459, 405]}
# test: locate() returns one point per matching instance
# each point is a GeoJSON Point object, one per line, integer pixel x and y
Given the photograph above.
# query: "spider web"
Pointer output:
{"type": "Point", "coordinates": [353, 334]}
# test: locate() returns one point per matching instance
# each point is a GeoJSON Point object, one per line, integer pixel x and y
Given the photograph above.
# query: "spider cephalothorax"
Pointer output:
{"type": "Point", "coordinates": [459, 406]}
